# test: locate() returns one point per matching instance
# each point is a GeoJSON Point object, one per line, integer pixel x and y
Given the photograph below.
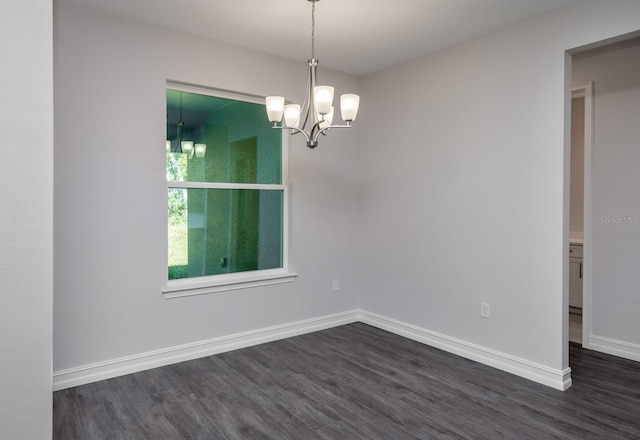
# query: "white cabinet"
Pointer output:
{"type": "Point", "coordinates": [575, 275]}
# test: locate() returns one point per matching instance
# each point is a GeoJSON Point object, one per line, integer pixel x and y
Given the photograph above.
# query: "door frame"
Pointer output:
{"type": "Point", "coordinates": [585, 91]}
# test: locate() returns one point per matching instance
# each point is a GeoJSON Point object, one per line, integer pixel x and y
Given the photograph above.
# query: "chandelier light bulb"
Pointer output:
{"type": "Point", "coordinates": [349, 104]}
{"type": "Point", "coordinates": [201, 150]}
{"type": "Point", "coordinates": [275, 108]}
{"type": "Point", "coordinates": [292, 115]}
{"type": "Point", "coordinates": [187, 147]}
{"type": "Point", "coordinates": [323, 98]}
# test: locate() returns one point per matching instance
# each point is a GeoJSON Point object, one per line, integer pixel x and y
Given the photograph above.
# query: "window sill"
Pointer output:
{"type": "Point", "coordinates": [222, 283]}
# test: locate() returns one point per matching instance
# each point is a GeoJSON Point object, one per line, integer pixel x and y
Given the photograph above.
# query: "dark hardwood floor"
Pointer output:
{"type": "Point", "coordinates": [352, 382]}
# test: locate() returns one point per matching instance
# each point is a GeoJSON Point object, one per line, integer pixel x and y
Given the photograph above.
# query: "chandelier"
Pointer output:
{"type": "Point", "coordinates": [316, 112]}
{"type": "Point", "coordinates": [184, 146]}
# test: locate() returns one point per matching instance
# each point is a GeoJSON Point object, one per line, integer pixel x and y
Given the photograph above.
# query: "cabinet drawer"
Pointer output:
{"type": "Point", "coordinates": [575, 250]}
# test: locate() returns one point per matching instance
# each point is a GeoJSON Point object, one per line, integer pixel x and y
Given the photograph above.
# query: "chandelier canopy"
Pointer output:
{"type": "Point", "coordinates": [315, 116]}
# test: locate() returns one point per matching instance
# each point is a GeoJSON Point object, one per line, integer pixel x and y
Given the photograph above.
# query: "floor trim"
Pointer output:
{"type": "Point", "coordinates": [558, 379]}
{"type": "Point", "coordinates": [614, 347]}
{"type": "Point", "coordinates": [145, 361]}
{"type": "Point", "coordinates": [86, 374]}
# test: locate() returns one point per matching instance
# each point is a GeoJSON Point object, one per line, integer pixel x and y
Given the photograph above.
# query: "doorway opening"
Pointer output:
{"type": "Point", "coordinates": [609, 321]}
{"type": "Point", "coordinates": [580, 213]}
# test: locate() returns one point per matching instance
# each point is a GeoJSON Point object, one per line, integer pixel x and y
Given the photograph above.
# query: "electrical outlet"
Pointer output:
{"type": "Point", "coordinates": [485, 310]}
{"type": "Point", "coordinates": [336, 285]}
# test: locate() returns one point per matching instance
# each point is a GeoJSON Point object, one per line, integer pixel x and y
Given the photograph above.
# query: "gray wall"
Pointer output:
{"type": "Point", "coordinates": [615, 220]}
{"type": "Point", "coordinates": [26, 219]}
{"type": "Point", "coordinates": [465, 190]}
{"type": "Point", "coordinates": [110, 194]}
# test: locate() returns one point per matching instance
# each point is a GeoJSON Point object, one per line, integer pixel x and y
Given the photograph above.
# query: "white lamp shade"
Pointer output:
{"type": "Point", "coordinates": [187, 147]}
{"type": "Point", "coordinates": [275, 108]}
{"type": "Point", "coordinates": [292, 115]}
{"type": "Point", "coordinates": [168, 146]}
{"type": "Point", "coordinates": [323, 97]}
{"type": "Point", "coordinates": [328, 119]}
{"type": "Point", "coordinates": [349, 104]}
{"type": "Point", "coordinates": [201, 150]}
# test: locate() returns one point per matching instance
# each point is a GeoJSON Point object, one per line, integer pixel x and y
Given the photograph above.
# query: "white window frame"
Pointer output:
{"type": "Point", "coordinates": [238, 280]}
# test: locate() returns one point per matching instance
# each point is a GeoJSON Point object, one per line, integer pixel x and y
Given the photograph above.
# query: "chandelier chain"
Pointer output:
{"type": "Point", "coordinates": [313, 29]}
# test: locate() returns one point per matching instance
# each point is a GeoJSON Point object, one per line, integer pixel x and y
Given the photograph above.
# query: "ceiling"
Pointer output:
{"type": "Point", "coordinates": [353, 36]}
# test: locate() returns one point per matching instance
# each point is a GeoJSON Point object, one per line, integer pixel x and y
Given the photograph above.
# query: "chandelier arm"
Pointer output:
{"type": "Point", "coordinates": [316, 130]}
{"type": "Point", "coordinates": [347, 125]}
{"type": "Point", "coordinates": [294, 130]}
{"type": "Point", "coordinates": [306, 104]}
{"type": "Point", "coordinates": [319, 132]}
{"type": "Point", "coordinates": [323, 130]}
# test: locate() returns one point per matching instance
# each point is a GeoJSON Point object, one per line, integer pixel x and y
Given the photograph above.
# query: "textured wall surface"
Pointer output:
{"type": "Point", "coordinates": [464, 190]}
{"type": "Point", "coordinates": [26, 219]}
{"type": "Point", "coordinates": [110, 193]}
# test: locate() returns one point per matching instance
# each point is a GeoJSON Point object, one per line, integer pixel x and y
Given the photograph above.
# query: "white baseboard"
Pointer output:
{"type": "Point", "coordinates": [144, 361]}
{"type": "Point", "coordinates": [171, 355]}
{"type": "Point", "coordinates": [614, 347]}
{"type": "Point", "coordinates": [558, 379]}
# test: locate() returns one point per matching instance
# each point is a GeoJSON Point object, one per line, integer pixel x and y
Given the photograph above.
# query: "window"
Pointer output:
{"type": "Point", "coordinates": [226, 192]}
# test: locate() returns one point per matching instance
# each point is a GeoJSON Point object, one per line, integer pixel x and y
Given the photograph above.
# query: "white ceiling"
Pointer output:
{"type": "Point", "coordinates": [353, 36]}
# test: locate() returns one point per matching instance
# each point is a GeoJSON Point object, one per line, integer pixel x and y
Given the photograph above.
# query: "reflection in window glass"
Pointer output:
{"type": "Point", "coordinates": [225, 188]}
{"type": "Point", "coordinates": [241, 146]}
{"type": "Point", "coordinates": [224, 231]}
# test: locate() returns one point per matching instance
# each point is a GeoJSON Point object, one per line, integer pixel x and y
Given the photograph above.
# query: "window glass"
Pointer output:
{"type": "Point", "coordinates": [225, 191]}
{"type": "Point", "coordinates": [241, 146]}
{"type": "Point", "coordinates": [218, 231]}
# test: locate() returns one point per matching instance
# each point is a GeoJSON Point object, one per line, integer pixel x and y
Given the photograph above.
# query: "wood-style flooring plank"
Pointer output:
{"type": "Point", "coordinates": [352, 382]}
